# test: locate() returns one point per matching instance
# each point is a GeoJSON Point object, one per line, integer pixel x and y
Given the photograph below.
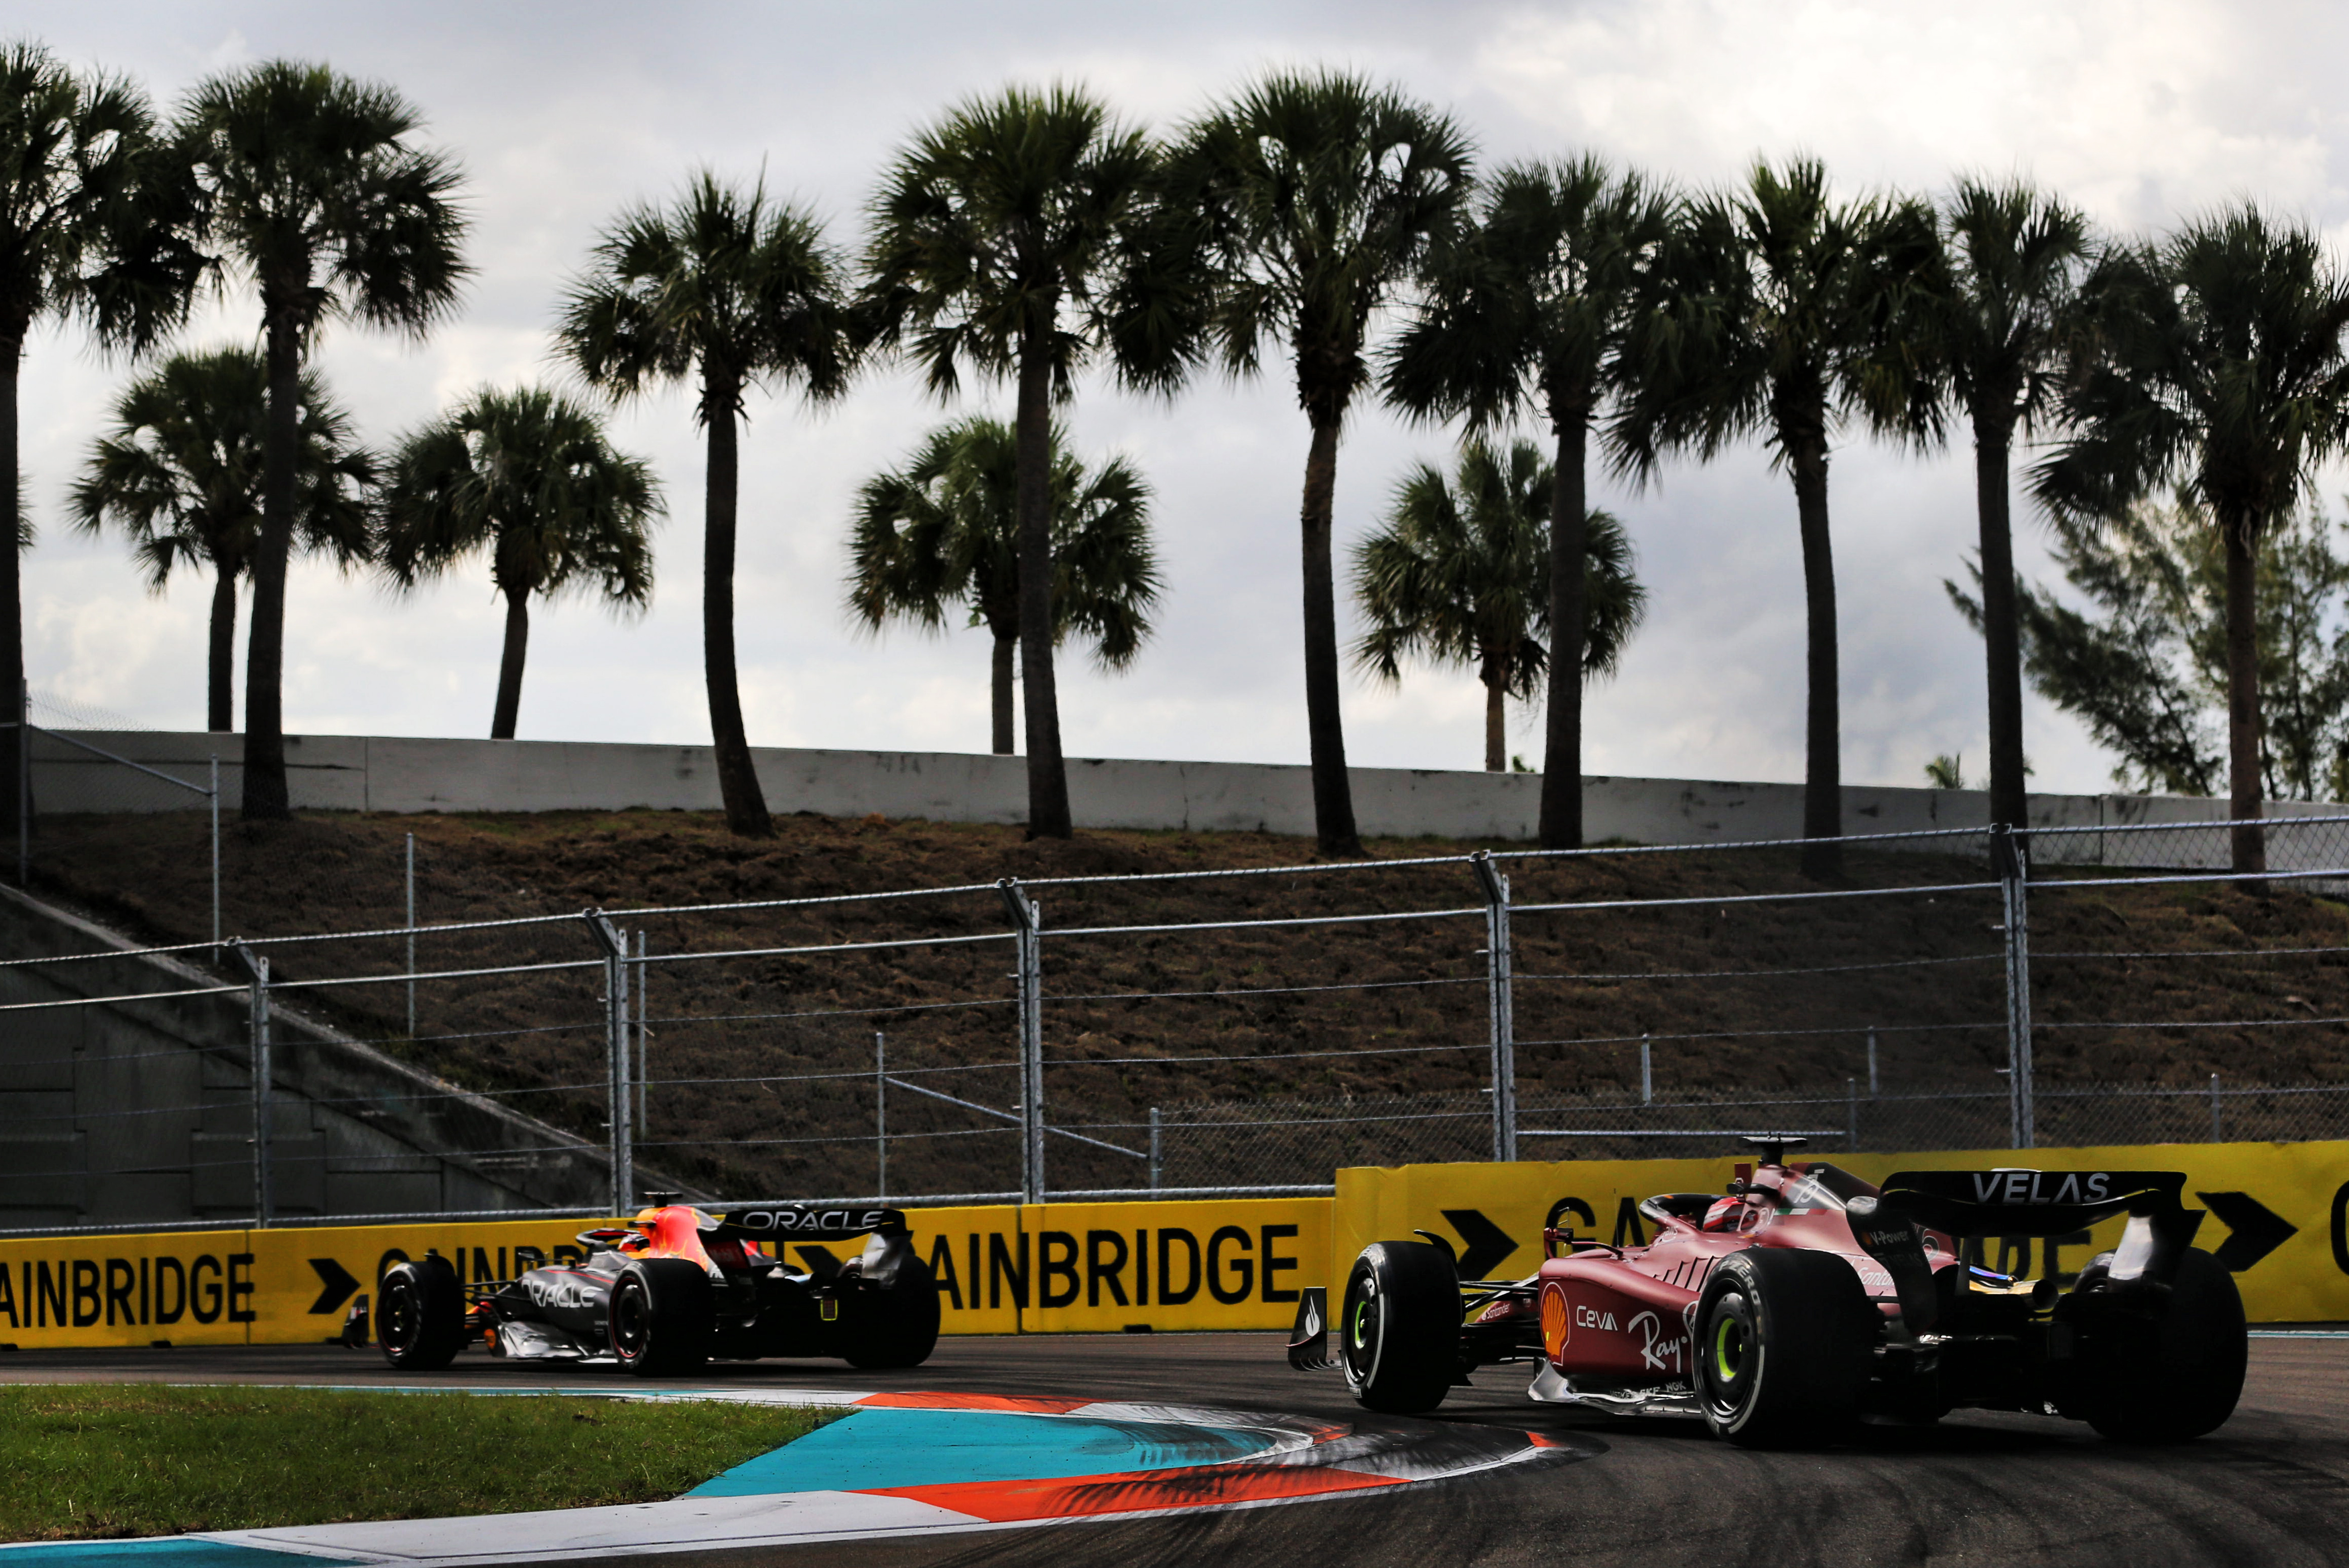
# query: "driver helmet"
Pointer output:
{"type": "Point", "coordinates": [1723, 1215]}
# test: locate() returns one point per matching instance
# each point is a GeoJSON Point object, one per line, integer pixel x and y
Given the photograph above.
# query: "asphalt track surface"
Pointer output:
{"type": "Point", "coordinates": [2272, 1487]}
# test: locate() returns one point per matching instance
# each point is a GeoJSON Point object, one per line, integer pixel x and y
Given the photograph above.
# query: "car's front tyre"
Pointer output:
{"type": "Point", "coordinates": [1399, 1327]}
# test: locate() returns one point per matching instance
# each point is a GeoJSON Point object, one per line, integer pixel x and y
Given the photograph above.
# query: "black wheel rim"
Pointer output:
{"type": "Point", "coordinates": [1358, 1334]}
{"type": "Point", "coordinates": [631, 1320]}
{"type": "Point", "coordinates": [1728, 1358]}
{"type": "Point", "coordinates": [401, 1321]}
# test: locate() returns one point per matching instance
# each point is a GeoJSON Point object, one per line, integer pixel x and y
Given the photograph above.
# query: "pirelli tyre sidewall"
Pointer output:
{"type": "Point", "coordinates": [1399, 1327]}
{"type": "Point", "coordinates": [421, 1315]}
{"type": "Point", "coordinates": [1783, 1340]}
{"type": "Point", "coordinates": [661, 1317]}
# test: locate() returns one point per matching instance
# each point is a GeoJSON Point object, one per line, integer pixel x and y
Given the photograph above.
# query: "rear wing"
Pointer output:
{"type": "Point", "coordinates": [2029, 1202]}
{"type": "Point", "coordinates": [2036, 1203]}
{"type": "Point", "coordinates": [809, 1221]}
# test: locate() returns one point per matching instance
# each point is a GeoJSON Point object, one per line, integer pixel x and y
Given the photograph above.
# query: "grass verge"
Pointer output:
{"type": "Point", "coordinates": [92, 1460]}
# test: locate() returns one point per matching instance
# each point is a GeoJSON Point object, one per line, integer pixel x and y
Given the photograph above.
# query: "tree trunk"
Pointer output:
{"type": "Point", "coordinates": [509, 709]}
{"type": "Point", "coordinates": [1823, 759]}
{"type": "Point", "coordinates": [12, 578]}
{"type": "Point", "coordinates": [2002, 642]}
{"type": "Point", "coordinates": [1569, 633]}
{"type": "Point", "coordinates": [737, 780]}
{"type": "Point", "coordinates": [1007, 644]}
{"type": "Point", "coordinates": [1333, 796]}
{"type": "Point", "coordinates": [220, 689]}
{"type": "Point", "coordinates": [1496, 724]}
{"type": "Point", "coordinates": [2250, 840]}
{"type": "Point", "coordinates": [1048, 776]}
{"type": "Point", "coordinates": [265, 795]}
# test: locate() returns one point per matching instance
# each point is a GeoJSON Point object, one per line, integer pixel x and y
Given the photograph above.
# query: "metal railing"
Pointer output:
{"type": "Point", "coordinates": [1252, 1051]}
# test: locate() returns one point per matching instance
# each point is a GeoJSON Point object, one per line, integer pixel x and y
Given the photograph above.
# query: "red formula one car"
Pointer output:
{"type": "Point", "coordinates": [1805, 1298]}
{"type": "Point", "coordinates": [674, 1288]}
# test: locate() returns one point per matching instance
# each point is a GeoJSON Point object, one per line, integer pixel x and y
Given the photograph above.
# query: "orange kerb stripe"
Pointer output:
{"type": "Point", "coordinates": [974, 1402]}
{"type": "Point", "coordinates": [1204, 1486]}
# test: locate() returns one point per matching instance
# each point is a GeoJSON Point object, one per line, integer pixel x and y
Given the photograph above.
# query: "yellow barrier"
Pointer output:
{"type": "Point", "coordinates": [1206, 1264]}
{"type": "Point", "coordinates": [2278, 1213]}
{"type": "Point", "coordinates": [2278, 1216]}
{"type": "Point", "coordinates": [1061, 1268]}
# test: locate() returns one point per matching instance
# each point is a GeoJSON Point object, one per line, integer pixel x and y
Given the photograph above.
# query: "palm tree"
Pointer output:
{"type": "Point", "coordinates": [2216, 363]}
{"type": "Point", "coordinates": [1460, 575]}
{"type": "Point", "coordinates": [1998, 327]}
{"type": "Point", "coordinates": [944, 530]}
{"type": "Point", "coordinates": [1021, 236]}
{"type": "Point", "coordinates": [1530, 315]}
{"type": "Point", "coordinates": [527, 477]}
{"type": "Point", "coordinates": [1782, 311]}
{"type": "Point", "coordinates": [741, 291]}
{"type": "Point", "coordinates": [309, 187]}
{"type": "Point", "coordinates": [1319, 196]}
{"type": "Point", "coordinates": [87, 229]}
{"type": "Point", "coordinates": [180, 477]}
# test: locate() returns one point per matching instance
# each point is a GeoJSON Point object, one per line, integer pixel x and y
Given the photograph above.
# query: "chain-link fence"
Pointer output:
{"type": "Point", "coordinates": [1184, 1032]}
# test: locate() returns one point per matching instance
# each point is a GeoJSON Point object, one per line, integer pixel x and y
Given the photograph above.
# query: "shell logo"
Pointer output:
{"type": "Point", "coordinates": [1553, 1321]}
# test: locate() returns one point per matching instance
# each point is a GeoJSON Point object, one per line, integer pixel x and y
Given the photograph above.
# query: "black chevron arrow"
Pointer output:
{"type": "Point", "coordinates": [2255, 1230]}
{"type": "Point", "coordinates": [337, 1282]}
{"type": "Point", "coordinates": [1488, 1244]}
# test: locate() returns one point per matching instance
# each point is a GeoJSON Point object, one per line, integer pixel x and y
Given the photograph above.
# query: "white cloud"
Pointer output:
{"type": "Point", "coordinates": [2138, 110]}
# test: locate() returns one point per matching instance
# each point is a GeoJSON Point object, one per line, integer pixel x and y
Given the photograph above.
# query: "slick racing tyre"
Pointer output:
{"type": "Point", "coordinates": [421, 1315]}
{"type": "Point", "coordinates": [1783, 1338]}
{"type": "Point", "coordinates": [2167, 1379]}
{"type": "Point", "coordinates": [896, 1327]}
{"type": "Point", "coordinates": [1399, 1327]}
{"type": "Point", "coordinates": [661, 1317]}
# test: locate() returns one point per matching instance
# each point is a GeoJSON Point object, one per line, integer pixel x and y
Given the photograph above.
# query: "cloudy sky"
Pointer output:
{"type": "Point", "coordinates": [2141, 112]}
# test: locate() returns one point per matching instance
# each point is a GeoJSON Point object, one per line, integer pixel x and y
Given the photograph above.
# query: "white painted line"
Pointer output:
{"type": "Point", "coordinates": [681, 1524]}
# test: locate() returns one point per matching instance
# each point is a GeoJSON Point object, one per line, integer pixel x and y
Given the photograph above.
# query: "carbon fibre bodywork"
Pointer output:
{"type": "Point", "coordinates": [762, 1301]}
{"type": "Point", "coordinates": [1621, 1328]}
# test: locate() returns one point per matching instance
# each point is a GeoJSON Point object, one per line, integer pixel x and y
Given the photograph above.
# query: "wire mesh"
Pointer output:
{"type": "Point", "coordinates": [1250, 1029]}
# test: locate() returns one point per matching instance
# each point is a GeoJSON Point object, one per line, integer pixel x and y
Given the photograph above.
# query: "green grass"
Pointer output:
{"type": "Point", "coordinates": [141, 1459]}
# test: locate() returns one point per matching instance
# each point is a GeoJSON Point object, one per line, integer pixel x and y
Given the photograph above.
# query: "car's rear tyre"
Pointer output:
{"type": "Point", "coordinates": [893, 1328]}
{"type": "Point", "coordinates": [421, 1315]}
{"type": "Point", "coordinates": [1399, 1327]}
{"type": "Point", "coordinates": [661, 1317]}
{"type": "Point", "coordinates": [1783, 1338]}
{"type": "Point", "coordinates": [2169, 1379]}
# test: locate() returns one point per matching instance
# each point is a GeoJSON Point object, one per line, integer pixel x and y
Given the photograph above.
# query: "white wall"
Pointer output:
{"type": "Point", "coordinates": [400, 775]}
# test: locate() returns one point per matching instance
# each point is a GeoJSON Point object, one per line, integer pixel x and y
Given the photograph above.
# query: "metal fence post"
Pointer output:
{"type": "Point", "coordinates": [1155, 1165]}
{"type": "Point", "coordinates": [257, 1013]}
{"type": "Point", "coordinates": [615, 1046]}
{"type": "Point", "coordinates": [1872, 1086]}
{"type": "Point", "coordinates": [2010, 857]}
{"type": "Point", "coordinates": [1851, 1113]}
{"type": "Point", "coordinates": [1500, 1006]}
{"type": "Point", "coordinates": [24, 784]}
{"type": "Point", "coordinates": [1028, 919]}
{"type": "Point", "coordinates": [644, 991]}
{"type": "Point", "coordinates": [215, 803]}
{"type": "Point", "coordinates": [411, 936]}
{"type": "Point", "coordinates": [1647, 1071]}
{"type": "Point", "coordinates": [881, 1113]}
{"type": "Point", "coordinates": [2214, 1109]}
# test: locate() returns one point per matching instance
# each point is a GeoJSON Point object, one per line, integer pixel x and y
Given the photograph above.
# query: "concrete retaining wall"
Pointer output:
{"type": "Point", "coordinates": [392, 773]}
